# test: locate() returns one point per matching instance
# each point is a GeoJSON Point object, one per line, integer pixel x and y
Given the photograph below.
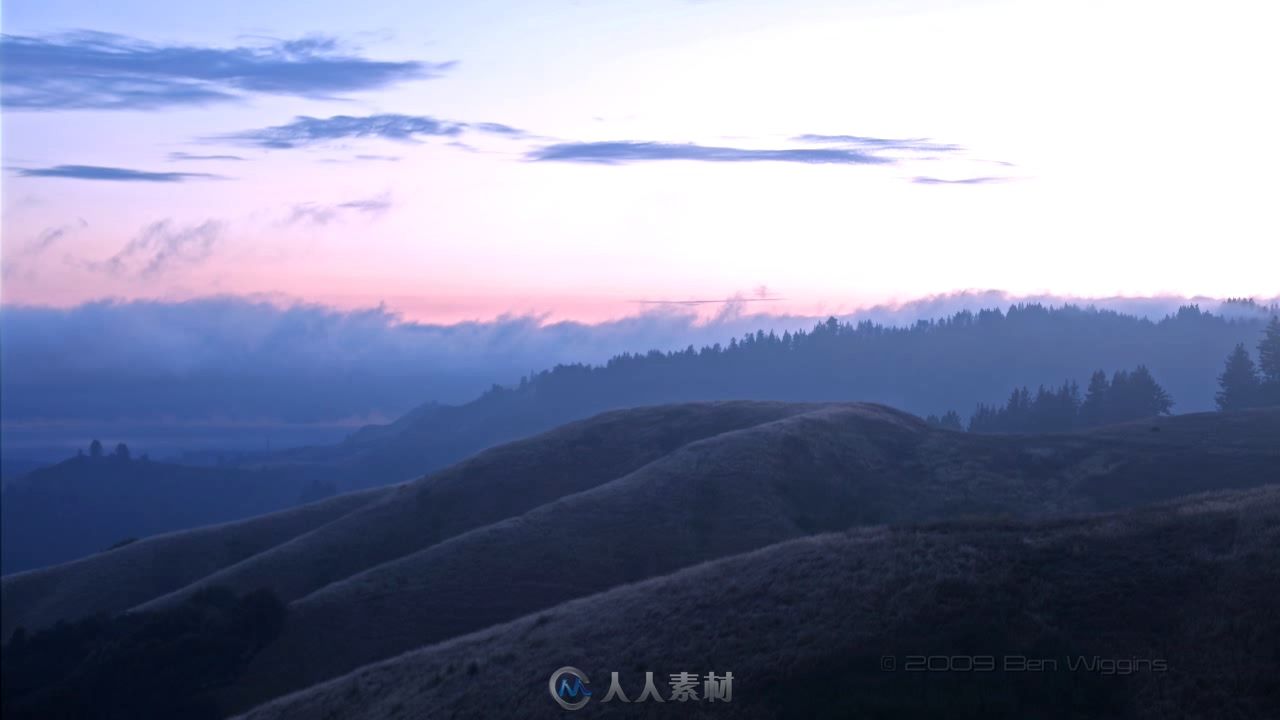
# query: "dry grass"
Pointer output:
{"type": "Point", "coordinates": [640, 494]}
{"type": "Point", "coordinates": [803, 626]}
{"type": "Point", "coordinates": [828, 469]}
{"type": "Point", "coordinates": [300, 550]}
{"type": "Point", "coordinates": [116, 580]}
{"type": "Point", "coordinates": [496, 484]}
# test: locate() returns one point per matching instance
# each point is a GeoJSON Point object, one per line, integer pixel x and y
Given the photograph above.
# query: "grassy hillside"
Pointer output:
{"type": "Point", "coordinates": [827, 469]}
{"type": "Point", "coordinates": [116, 580]}
{"type": "Point", "coordinates": [807, 628]}
{"type": "Point", "coordinates": [168, 664]}
{"type": "Point", "coordinates": [619, 499]}
{"type": "Point", "coordinates": [377, 527]}
{"type": "Point", "coordinates": [86, 504]}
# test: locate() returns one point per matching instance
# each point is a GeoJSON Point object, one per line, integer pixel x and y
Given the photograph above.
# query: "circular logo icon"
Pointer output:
{"type": "Point", "coordinates": [569, 688]}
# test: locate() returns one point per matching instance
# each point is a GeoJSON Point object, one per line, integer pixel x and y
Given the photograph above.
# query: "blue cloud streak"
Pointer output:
{"type": "Point", "coordinates": [613, 153]}
{"type": "Point", "coordinates": [113, 174]}
{"type": "Point", "coordinates": [304, 131]}
{"type": "Point", "coordinates": [925, 180]}
{"type": "Point", "coordinates": [93, 70]}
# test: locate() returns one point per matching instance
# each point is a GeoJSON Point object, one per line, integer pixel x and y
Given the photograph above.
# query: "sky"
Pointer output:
{"type": "Point", "coordinates": [587, 161]}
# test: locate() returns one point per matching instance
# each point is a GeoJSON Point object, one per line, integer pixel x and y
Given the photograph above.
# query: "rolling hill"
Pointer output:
{"type": "Point", "coordinates": [120, 578]}
{"type": "Point", "coordinates": [619, 499]}
{"type": "Point", "coordinates": [828, 469]}
{"type": "Point", "coordinates": [375, 526]}
{"type": "Point", "coordinates": [1163, 612]}
{"type": "Point", "coordinates": [86, 504]}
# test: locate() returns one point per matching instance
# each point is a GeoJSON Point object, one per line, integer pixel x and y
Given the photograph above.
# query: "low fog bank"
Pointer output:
{"type": "Point", "coordinates": [232, 362]}
{"type": "Point", "coordinates": [31, 445]}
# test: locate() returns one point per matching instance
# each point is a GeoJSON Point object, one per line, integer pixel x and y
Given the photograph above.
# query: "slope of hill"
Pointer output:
{"type": "Point", "coordinates": [120, 578]}
{"type": "Point", "coordinates": [827, 469]}
{"type": "Point", "coordinates": [86, 504]}
{"type": "Point", "coordinates": [499, 483]}
{"type": "Point", "coordinates": [398, 520]}
{"type": "Point", "coordinates": [1165, 612]}
{"type": "Point", "coordinates": [639, 494]}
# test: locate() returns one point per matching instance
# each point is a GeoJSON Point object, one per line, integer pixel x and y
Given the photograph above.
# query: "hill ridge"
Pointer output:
{"type": "Point", "coordinates": [829, 468]}
{"type": "Point", "coordinates": [515, 657]}
{"type": "Point", "coordinates": [612, 429]}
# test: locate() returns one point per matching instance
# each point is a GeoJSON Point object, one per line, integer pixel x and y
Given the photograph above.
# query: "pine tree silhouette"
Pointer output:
{"type": "Point", "coordinates": [1094, 410]}
{"type": "Point", "coordinates": [1238, 381]}
{"type": "Point", "coordinates": [1269, 363]}
{"type": "Point", "coordinates": [1129, 395]}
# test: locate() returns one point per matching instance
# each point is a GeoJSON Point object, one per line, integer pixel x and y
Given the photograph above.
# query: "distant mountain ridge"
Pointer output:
{"type": "Point", "coordinates": [932, 366]}
{"type": "Point", "coordinates": [224, 359]}
{"type": "Point", "coordinates": [953, 363]}
{"type": "Point", "coordinates": [87, 504]}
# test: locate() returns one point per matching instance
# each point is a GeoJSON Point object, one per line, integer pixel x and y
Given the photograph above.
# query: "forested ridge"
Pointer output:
{"type": "Point", "coordinates": [933, 366]}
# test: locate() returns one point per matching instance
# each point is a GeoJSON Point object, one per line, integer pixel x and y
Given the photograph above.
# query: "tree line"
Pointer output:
{"type": "Point", "coordinates": [1125, 396]}
{"type": "Point", "coordinates": [121, 452]}
{"type": "Point", "coordinates": [1244, 384]}
{"type": "Point", "coordinates": [928, 367]}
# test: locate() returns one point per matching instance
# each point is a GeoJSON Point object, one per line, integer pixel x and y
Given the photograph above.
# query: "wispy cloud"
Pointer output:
{"type": "Point", "coordinates": [305, 131]}
{"type": "Point", "coordinates": [93, 70]}
{"type": "Point", "coordinates": [51, 236]}
{"type": "Point", "coordinates": [161, 246]}
{"type": "Point", "coordinates": [926, 180]}
{"type": "Point", "coordinates": [376, 204]}
{"type": "Point", "coordinates": [311, 213]}
{"type": "Point", "coordinates": [497, 129]}
{"type": "Point", "coordinates": [325, 213]}
{"type": "Point", "coordinates": [360, 158]}
{"type": "Point", "coordinates": [180, 156]}
{"type": "Point", "coordinates": [707, 301]}
{"type": "Point", "coordinates": [18, 256]}
{"type": "Point", "coordinates": [879, 144]}
{"type": "Point", "coordinates": [613, 153]}
{"type": "Point", "coordinates": [113, 174]}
